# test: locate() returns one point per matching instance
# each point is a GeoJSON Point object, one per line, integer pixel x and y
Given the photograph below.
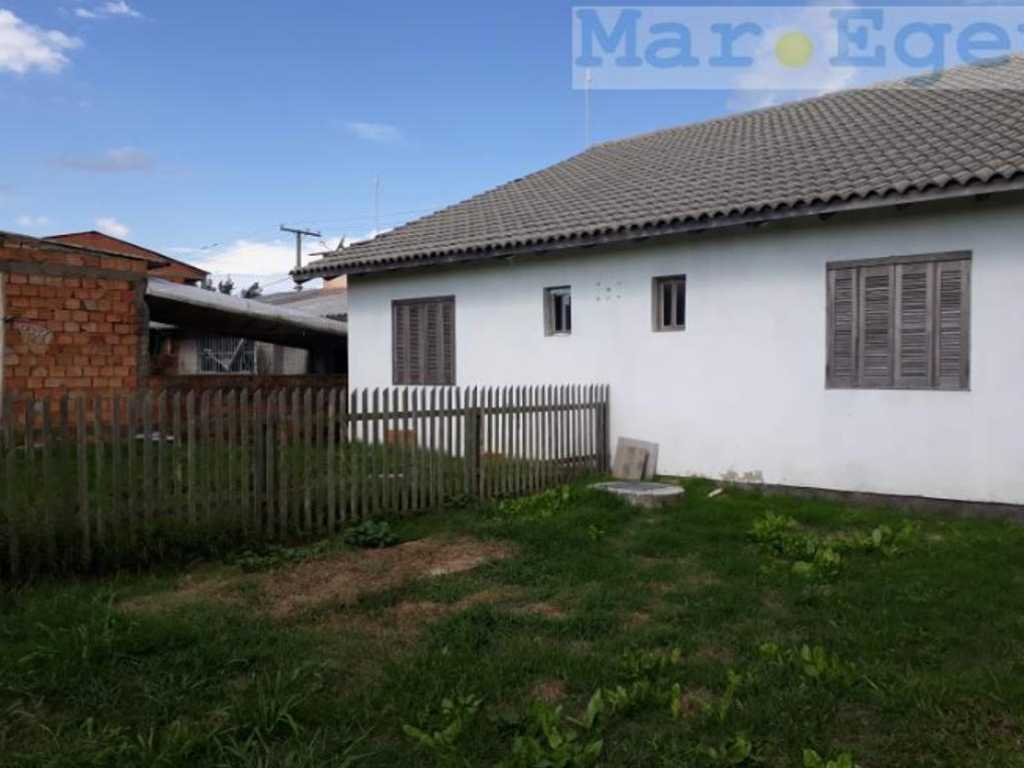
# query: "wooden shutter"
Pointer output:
{"type": "Point", "coordinates": [400, 343]}
{"type": "Point", "coordinates": [423, 341]}
{"type": "Point", "coordinates": [448, 342]}
{"type": "Point", "coordinates": [842, 328]}
{"type": "Point", "coordinates": [915, 292]}
{"type": "Point", "coordinates": [875, 330]}
{"type": "Point", "coordinates": [952, 321]}
{"type": "Point", "coordinates": [432, 332]}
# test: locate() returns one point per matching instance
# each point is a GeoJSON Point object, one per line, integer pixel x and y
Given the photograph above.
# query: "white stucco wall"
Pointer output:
{"type": "Point", "coordinates": [742, 389]}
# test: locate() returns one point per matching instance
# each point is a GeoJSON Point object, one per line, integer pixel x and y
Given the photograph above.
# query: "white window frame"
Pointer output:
{"type": "Point", "coordinates": [558, 315]}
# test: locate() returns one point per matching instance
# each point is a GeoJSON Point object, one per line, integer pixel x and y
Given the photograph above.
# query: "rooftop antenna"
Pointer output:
{"type": "Point", "coordinates": [376, 205]}
{"type": "Point", "coordinates": [588, 78]}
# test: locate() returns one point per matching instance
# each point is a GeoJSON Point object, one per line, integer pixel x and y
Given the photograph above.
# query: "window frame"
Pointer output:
{"type": "Point", "coordinates": [448, 378]}
{"type": "Point", "coordinates": [863, 266]}
{"type": "Point", "coordinates": [207, 351]}
{"type": "Point", "coordinates": [658, 284]}
{"type": "Point", "coordinates": [551, 295]}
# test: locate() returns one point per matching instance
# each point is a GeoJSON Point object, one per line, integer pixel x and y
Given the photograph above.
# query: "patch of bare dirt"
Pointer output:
{"type": "Point", "coordinates": [547, 610]}
{"type": "Point", "coordinates": [638, 619]}
{"type": "Point", "coordinates": [548, 691]}
{"type": "Point", "coordinates": [692, 703]}
{"type": "Point", "coordinates": [343, 580]}
{"type": "Point", "coordinates": [191, 589]}
{"type": "Point", "coordinates": [715, 653]}
{"type": "Point", "coordinates": [339, 580]}
{"type": "Point", "coordinates": [409, 618]}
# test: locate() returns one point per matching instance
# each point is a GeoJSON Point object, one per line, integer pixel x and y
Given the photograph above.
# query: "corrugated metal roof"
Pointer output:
{"type": "Point", "coordinates": [189, 307]}
{"type": "Point", "coordinates": [323, 302]}
{"type": "Point", "coordinates": [884, 144]}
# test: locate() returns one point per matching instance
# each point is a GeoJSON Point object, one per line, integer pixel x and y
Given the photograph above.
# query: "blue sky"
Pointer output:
{"type": "Point", "coordinates": [196, 127]}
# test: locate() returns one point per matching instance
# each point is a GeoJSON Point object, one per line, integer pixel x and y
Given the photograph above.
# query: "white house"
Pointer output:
{"type": "Point", "coordinates": [826, 294]}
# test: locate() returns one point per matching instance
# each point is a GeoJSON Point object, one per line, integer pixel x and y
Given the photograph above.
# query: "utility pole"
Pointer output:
{"type": "Point", "coordinates": [298, 247]}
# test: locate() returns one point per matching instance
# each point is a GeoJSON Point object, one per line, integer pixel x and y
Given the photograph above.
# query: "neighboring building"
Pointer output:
{"type": "Point", "coordinates": [73, 318]}
{"type": "Point", "coordinates": [186, 352]}
{"type": "Point", "coordinates": [161, 266]}
{"type": "Point", "coordinates": [823, 294]}
{"type": "Point", "coordinates": [77, 319]}
{"type": "Point", "coordinates": [177, 351]}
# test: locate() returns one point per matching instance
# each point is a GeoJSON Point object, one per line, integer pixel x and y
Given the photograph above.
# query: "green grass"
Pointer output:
{"type": "Point", "coordinates": [915, 651]}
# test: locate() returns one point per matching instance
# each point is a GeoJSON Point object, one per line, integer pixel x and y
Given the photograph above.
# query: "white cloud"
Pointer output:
{"type": "Point", "coordinates": [32, 222]}
{"type": "Point", "coordinates": [770, 82]}
{"type": "Point", "coordinates": [379, 132]}
{"type": "Point", "coordinates": [24, 47]}
{"type": "Point", "coordinates": [112, 227]}
{"type": "Point", "coordinates": [120, 160]}
{"type": "Point", "coordinates": [264, 261]}
{"type": "Point", "coordinates": [259, 257]}
{"type": "Point", "coordinates": [107, 10]}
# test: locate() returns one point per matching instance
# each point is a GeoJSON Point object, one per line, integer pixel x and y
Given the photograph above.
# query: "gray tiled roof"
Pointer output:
{"type": "Point", "coordinates": [887, 141]}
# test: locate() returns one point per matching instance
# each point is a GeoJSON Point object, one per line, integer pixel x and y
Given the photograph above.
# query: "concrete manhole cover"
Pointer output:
{"type": "Point", "coordinates": [641, 494]}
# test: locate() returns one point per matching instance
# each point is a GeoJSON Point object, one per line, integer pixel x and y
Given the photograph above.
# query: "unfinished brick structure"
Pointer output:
{"type": "Point", "coordinates": [74, 319]}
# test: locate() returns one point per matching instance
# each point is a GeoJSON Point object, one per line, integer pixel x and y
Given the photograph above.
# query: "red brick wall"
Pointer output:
{"type": "Point", "coordinates": [74, 321]}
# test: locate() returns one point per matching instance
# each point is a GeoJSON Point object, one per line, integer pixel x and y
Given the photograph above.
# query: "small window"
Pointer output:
{"type": "Point", "coordinates": [558, 311]}
{"type": "Point", "coordinates": [423, 341]}
{"type": "Point", "coordinates": [669, 303]}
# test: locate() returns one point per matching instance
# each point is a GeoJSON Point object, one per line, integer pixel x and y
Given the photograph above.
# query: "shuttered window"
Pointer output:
{"type": "Point", "coordinates": [423, 341]}
{"type": "Point", "coordinates": [900, 323]}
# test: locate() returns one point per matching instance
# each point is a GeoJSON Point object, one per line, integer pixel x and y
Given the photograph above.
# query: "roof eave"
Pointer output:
{"type": "Point", "coordinates": [628, 235]}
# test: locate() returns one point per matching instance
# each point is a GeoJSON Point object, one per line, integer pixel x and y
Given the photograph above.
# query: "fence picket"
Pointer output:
{"type": "Point", "coordinates": [406, 454]}
{"type": "Point", "coordinates": [161, 451]}
{"type": "Point", "coordinates": [344, 479]}
{"type": "Point", "coordinates": [48, 480]}
{"type": "Point", "coordinates": [190, 456]}
{"type": "Point", "coordinates": [284, 462]}
{"type": "Point", "coordinates": [269, 522]}
{"type": "Point", "coordinates": [245, 475]}
{"type": "Point", "coordinates": [83, 481]}
{"type": "Point", "coordinates": [146, 472]}
{"type": "Point", "coordinates": [319, 463]}
{"type": "Point", "coordinates": [331, 438]}
{"type": "Point", "coordinates": [13, 516]}
{"type": "Point", "coordinates": [385, 451]}
{"type": "Point", "coordinates": [306, 437]}
{"type": "Point", "coordinates": [63, 457]}
{"type": "Point", "coordinates": [256, 497]}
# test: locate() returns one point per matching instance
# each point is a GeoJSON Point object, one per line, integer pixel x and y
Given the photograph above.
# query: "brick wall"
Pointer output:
{"type": "Point", "coordinates": [74, 321]}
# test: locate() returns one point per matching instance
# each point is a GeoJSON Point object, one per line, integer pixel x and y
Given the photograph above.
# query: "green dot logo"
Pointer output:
{"type": "Point", "coordinates": [794, 50]}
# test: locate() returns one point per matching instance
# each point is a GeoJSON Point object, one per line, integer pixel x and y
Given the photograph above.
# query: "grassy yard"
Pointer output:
{"type": "Point", "coordinates": [567, 630]}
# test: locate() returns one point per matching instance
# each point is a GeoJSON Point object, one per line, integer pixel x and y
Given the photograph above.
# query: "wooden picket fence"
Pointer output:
{"type": "Point", "coordinates": [88, 483]}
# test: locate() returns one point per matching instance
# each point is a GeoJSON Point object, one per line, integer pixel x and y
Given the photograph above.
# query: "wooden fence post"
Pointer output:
{"type": "Point", "coordinates": [83, 481]}
{"type": "Point", "coordinates": [7, 426]}
{"type": "Point", "coordinates": [474, 440]}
